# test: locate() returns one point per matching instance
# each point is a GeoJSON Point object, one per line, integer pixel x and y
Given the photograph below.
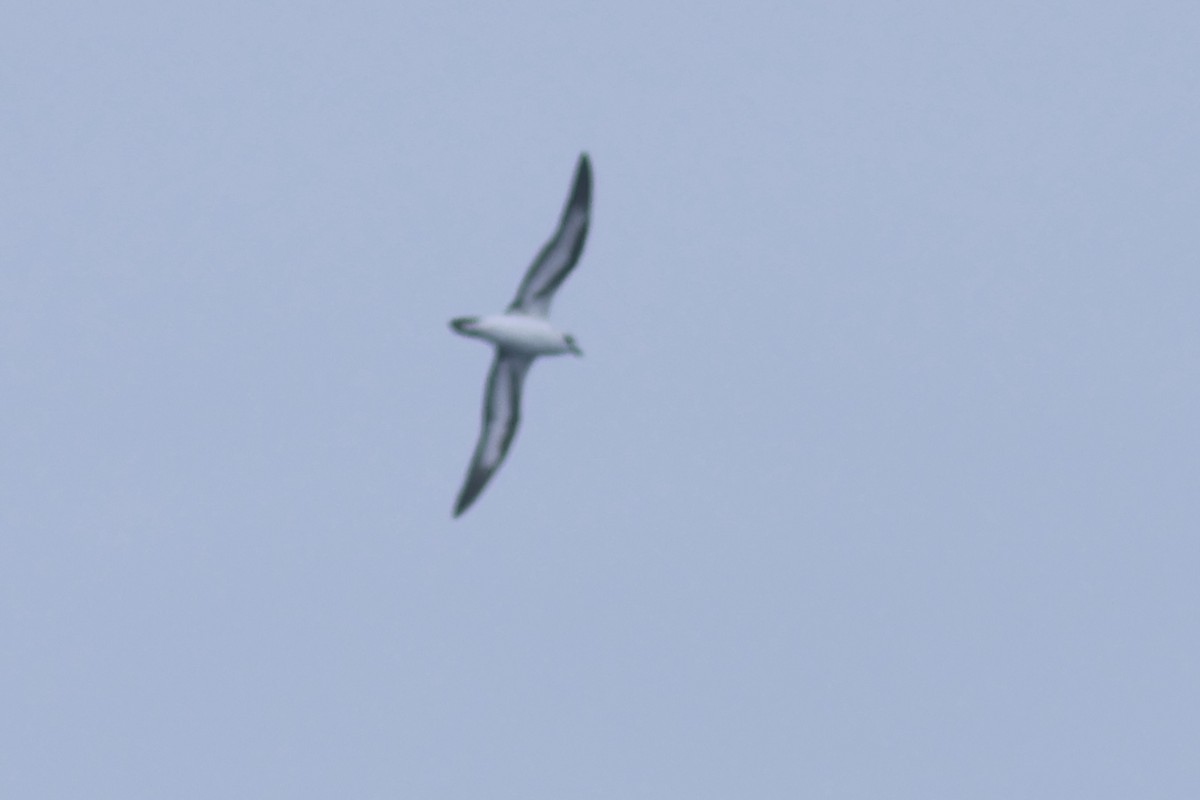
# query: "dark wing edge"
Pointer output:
{"type": "Point", "coordinates": [501, 416]}
{"type": "Point", "coordinates": [559, 255]}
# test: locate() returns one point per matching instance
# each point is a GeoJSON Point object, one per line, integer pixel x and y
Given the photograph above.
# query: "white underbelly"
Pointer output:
{"type": "Point", "coordinates": [525, 334]}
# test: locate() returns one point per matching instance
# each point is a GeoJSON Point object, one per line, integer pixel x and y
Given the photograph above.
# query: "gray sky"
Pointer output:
{"type": "Point", "coordinates": [880, 477]}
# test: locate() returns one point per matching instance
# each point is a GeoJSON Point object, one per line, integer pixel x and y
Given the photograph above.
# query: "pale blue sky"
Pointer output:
{"type": "Point", "coordinates": [880, 477]}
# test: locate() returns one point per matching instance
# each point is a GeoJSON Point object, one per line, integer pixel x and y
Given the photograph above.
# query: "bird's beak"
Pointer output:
{"type": "Point", "coordinates": [574, 348]}
{"type": "Point", "coordinates": [463, 325]}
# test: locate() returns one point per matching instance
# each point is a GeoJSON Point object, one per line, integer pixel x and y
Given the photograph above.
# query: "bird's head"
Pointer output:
{"type": "Point", "coordinates": [464, 325]}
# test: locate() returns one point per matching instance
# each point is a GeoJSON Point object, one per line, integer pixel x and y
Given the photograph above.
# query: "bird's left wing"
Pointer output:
{"type": "Point", "coordinates": [559, 255]}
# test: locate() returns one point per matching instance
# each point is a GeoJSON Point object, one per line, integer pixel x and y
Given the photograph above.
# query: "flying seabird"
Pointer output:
{"type": "Point", "coordinates": [521, 334]}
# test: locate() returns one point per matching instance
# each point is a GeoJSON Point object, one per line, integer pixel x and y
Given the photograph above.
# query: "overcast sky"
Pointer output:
{"type": "Point", "coordinates": [880, 477]}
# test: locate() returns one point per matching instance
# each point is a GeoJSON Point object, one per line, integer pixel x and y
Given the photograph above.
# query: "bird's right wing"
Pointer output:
{"type": "Point", "coordinates": [501, 415]}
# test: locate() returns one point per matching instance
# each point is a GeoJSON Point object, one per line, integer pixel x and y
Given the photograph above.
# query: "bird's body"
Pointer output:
{"type": "Point", "coordinates": [521, 334]}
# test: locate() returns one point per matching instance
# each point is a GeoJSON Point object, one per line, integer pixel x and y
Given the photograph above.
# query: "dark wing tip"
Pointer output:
{"type": "Point", "coordinates": [581, 192]}
{"type": "Point", "coordinates": [470, 490]}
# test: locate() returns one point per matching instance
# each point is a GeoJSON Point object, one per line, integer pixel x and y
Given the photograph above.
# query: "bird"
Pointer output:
{"type": "Point", "coordinates": [522, 333]}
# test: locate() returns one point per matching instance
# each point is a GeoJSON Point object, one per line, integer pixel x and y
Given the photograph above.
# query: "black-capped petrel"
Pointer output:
{"type": "Point", "coordinates": [521, 334]}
